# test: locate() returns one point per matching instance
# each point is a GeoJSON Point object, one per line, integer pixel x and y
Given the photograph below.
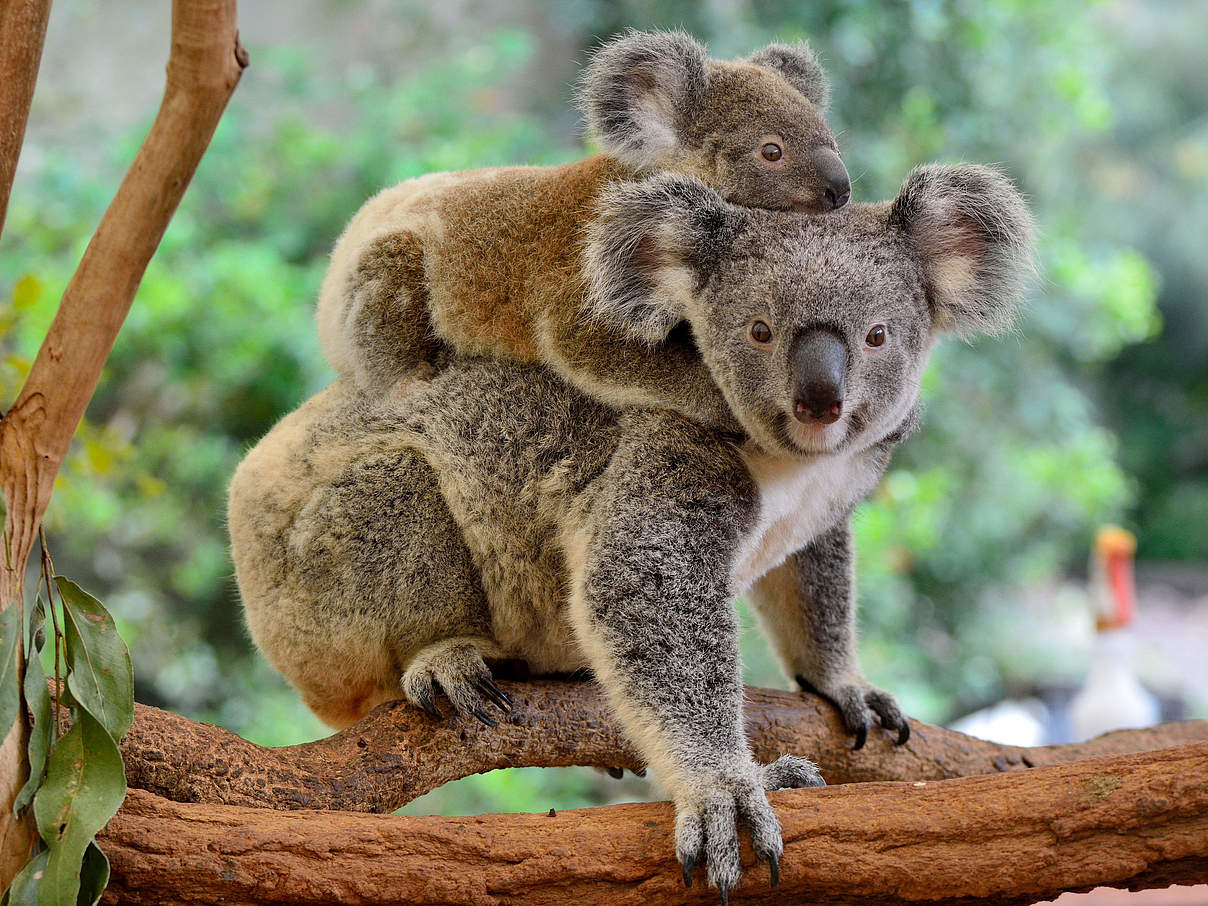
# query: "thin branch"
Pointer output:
{"type": "Point", "coordinates": [22, 34]}
{"type": "Point", "coordinates": [1124, 821]}
{"type": "Point", "coordinates": [398, 753]}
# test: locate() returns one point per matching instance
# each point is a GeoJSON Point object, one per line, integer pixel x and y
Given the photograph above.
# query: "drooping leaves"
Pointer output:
{"type": "Point", "coordinates": [37, 699]}
{"type": "Point", "coordinates": [98, 663]}
{"type": "Point", "coordinates": [94, 875]}
{"type": "Point", "coordinates": [84, 786]}
{"type": "Point", "coordinates": [24, 889]}
{"type": "Point", "coordinates": [10, 659]}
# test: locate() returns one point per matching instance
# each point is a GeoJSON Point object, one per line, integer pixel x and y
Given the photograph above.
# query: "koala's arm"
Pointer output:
{"type": "Point", "coordinates": [622, 372]}
{"type": "Point", "coordinates": [651, 602]}
{"type": "Point", "coordinates": [807, 604]}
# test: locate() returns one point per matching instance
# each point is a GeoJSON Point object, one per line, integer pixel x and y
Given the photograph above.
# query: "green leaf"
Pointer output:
{"type": "Point", "coordinates": [94, 875]}
{"type": "Point", "coordinates": [37, 699]}
{"type": "Point", "coordinates": [24, 889]}
{"type": "Point", "coordinates": [98, 662]}
{"type": "Point", "coordinates": [84, 787]}
{"type": "Point", "coordinates": [10, 649]}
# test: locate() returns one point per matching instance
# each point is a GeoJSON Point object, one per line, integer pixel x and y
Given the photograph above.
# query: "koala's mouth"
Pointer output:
{"type": "Point", "coordinates": [814, 440]}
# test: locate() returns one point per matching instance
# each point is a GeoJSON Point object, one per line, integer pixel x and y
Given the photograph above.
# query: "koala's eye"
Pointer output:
{"type": "Point", "coordinates": [876, 336]}
{"type": "Point", "coordinates": [771, 151]}
{"type": "Point", "coordinates": [761, 333]}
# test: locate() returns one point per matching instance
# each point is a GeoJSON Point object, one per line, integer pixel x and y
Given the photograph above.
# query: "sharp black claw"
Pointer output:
{"type": "Point", "coordinates": [482, 716]}
{"type": "Point", "coordinates": [688, 864]}
{"type": "Point", "coordinates": [861, 738]}
{"type": "Point", "coordinates": [616, 773]}
{"type": "Point", "coordinates": [774, 868]}
{"type": "Point", "coordinates": [724, 888]}
{"type": "Point", "coordinates": [903, 734]}
{"type": "Point", "coordinates": [495, 694]}
{"type": "Point", "coordinates": [428, 705]}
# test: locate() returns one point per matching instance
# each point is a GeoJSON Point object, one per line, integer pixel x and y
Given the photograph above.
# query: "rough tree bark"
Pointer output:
{"type": "Point", "coordinates": [1132, 820]}
{"type": "Point", "coordinates": [204, 66]}
{"type": "Point", "coordinates": [398, 752]}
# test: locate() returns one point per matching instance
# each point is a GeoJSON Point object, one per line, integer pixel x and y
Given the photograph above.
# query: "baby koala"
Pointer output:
{"type": "Point", "coordinates": [488, 262]}
{"type": "Point", "coordinates": [387, 548]}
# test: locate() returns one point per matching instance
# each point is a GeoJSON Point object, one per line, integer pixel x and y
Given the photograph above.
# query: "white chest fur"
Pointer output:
{"type": "Point", "coordinates": [797, 502]}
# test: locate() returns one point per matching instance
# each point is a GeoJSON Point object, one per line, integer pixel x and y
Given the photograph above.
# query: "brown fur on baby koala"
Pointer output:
{"type": "Point", "coordinates": [489, 262]}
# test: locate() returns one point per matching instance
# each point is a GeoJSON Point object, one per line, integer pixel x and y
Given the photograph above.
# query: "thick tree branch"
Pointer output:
{"type": "Point", "coordinates": [1125, 821]}
{"type": "Point", "coordinates": [203, 68]}
{"type": "Point", "coordinates": [398, 752]}
{"type": "Point", "coordinates": [22, 34]}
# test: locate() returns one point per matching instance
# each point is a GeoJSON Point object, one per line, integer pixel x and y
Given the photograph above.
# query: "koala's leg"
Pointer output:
{"type": "Point", "coordinates": [651, 603]}
{"type": "Point", "coordinates": [395, 602]}
{"type": "Point", "coordinates": [388, 328]}
{"type": "Point", "coordinates": [807, 607]}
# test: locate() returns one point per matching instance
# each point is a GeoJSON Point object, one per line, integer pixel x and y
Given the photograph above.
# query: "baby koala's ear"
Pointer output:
{"type": "Point", "coordinates": [974, 236]}
{"type": "Point", "coordinates": [650, 248]}
{"type": "Point", "coordinates": [800, 67]}
{"type": "Point", "coordinates": [640, 91]}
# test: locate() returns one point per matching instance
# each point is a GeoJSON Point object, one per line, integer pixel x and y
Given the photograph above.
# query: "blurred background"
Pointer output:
{"type": "Point", "coordinates": [973, 552]}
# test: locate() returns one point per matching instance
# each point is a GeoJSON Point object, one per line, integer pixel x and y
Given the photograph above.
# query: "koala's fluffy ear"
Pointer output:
{"type": "Point", "coordinates": [640, 90]}
{"type": "Point", "coordinates": [800, 67]}
{"type": "Point", "coordinates": [974, 236]}
{"type": "Point", "coordinates": [650, 247]}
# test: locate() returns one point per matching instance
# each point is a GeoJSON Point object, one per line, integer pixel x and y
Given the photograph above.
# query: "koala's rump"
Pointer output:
{"type": "Point", "coordinates": [294, 594]}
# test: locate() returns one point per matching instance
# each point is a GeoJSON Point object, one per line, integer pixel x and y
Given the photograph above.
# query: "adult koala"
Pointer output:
{"type": "Point", "coordinates": [495, 511]}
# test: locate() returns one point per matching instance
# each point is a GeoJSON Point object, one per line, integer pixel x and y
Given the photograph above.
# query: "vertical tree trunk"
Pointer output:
{"type": "Point", "coordinates": [22, 33]}
{"type": "Point", "coordinates": [204, 66]}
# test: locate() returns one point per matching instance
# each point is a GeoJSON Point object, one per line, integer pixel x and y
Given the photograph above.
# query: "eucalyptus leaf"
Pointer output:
{"type": "Point", "coordinates": [84, 787]}
{"type": "Point", "coordinates": [24, 889]}
{"type": "Point", "coordinates": [94, 875]}
{"type": "Point", "coordinates": [10, 659]}
{"type": "Point", "coordinates": [99, 674]}
{"type": "Point", "coordinates": [37, 699]}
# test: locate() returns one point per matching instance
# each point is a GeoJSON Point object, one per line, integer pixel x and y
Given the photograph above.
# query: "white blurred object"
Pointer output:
{"type": "Point", "coordinates": [1014, 722]}
{"type": "Point", "coordinates": [1112, 698]}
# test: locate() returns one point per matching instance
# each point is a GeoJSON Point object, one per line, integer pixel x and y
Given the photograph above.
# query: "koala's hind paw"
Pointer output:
{"type": "Point", "coordinates": [857, 702]}
{"type": "Point", "coordinates": [706, 826]}
{"type": "Point", "coordinates": [456, 665]}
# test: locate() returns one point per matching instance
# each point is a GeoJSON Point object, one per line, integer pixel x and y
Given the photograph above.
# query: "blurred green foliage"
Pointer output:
{"type": "Point", "coordinates": [1089, 412]}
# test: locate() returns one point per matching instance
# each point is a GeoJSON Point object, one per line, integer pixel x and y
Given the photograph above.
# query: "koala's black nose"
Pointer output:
{"type": "Point", "coordinates": [836, 186]}
{"type": "Point", "coordinates": [819, 364]}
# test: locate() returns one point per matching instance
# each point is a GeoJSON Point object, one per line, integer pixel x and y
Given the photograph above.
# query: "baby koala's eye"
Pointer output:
{"type": "Point", "coordinates": [876, 336]}
{"type": "Point", "coordinates": [761, 333]}
{"type": "Point", "coordinates": [771, 151]}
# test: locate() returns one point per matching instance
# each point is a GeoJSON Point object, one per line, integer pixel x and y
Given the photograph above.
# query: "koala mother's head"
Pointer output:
{"type": "Point", "coordinates": [753, 129]}
{"type": "Point", "coordinates": [816, 329]}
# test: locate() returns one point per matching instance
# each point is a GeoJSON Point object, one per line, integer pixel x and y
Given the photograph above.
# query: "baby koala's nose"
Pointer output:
{"type": "Point", "coordinates": [836, 186]}
{"type": "Point", "coordinates": [819, 362]}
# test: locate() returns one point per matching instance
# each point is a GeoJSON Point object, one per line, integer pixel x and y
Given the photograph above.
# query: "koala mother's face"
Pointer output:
{"type": "Point", "coordinates": [816, 329]}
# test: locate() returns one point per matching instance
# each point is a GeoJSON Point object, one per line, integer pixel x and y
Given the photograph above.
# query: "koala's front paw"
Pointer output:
{"type": "Point", "coordinates": [707, 820]}
{"type": "Point", "coordinates": [457, 666]}
{"type": "Point", "coordinates": [857, 702]}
